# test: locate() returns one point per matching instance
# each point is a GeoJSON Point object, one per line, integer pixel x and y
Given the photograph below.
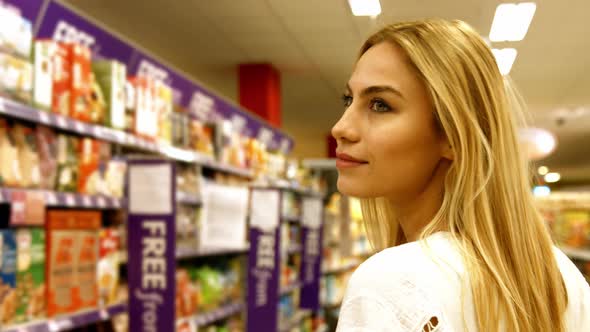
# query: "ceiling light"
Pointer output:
{"type": "Point", "coordinates": [538, 143]}
{"type": "Point", "coordinates": [552, 177]}
{"type": "Point", "coordinates": [541, 191]}
{"type": "Point", "coordinates": [365, 7]}
{"type": "Point", "coordinates": [512, 21]}
{"type": "Point", "coordinates": [505, 58]}
{"type": "Point", "coordinates": [543, 170]}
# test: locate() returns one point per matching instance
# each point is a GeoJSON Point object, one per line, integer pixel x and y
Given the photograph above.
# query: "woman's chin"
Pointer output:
{"type": "Point", "coordinates": [352, 188]}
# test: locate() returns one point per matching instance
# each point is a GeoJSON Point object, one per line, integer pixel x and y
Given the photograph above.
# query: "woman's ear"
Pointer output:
{"type": "Point", "coordinates": [447, 151]}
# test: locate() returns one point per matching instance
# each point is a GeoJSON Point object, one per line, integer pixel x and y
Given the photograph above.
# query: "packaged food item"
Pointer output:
{"type": "Point", "coordinates": [187, 299]}
{"type": "Point", "coordinates": [201, 137]}
{"type": "Point", "coordinates": [16, 78]}
{"type": "Point", "coordinates": [28, 156]}
{"type": "Point", "coordinates": [111, 76]}
{"type": "Point", "coordinates": [47, 146]}
{"type": "Point", "coordinates": [210, 285]}
{"type": "Point", "coordinates": [16, 33]}
{"type": "Point", "coordinates": [223, 140]}
{"type": "Point", "coordinates": [163, 112]}
{"type": "Point", "coordinates": [130, 104]}
{"type": "Point", "coordinates": [86, 259]}
{"type": "Point", "coordinates": [67, 163]}
{"type": "Point", "coordinates": [8, 295]}
{"type": "Point", "coordinates": [60, 267]}
{"type": "Point", "coordinates": [81, 82]}
{"type": "Point", "coordinates": [96, 102]}
{"type": "Point", "coordinates": [146, 114]}
{"type": "Point", "coordinates": [10, 175]}
{"type": "Point", "coordinates": [180, 132]}
{"type": "Point", "coordinates": [62, 79]}
{"type": "Point", "coordinates": [30, 282]}
{"type": "Point", "coordinates": [43, 53]}
{"type": "Point", "coordinates": [89, 176]}
{"type": "Point", "coordinates": [115, 178]}
{"type": "Point", "coordinates": [108, 266]}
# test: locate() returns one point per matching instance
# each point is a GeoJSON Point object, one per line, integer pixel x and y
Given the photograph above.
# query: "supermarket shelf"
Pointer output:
{"type": "Point", "coordinates": [292, 218]}
{"type": "Point", "coordinates": [295, 321]}
{"type": "Point", "coordinates": [188, 198]}
{"type": "Point", "coordinates": [182, 253]}
{"type": "Point", "coordinates": [69, 322]}
{"type": "Point", "coordinates": [340, 269]}
{"type": "Point", "coordinates": [582, 254]}
{"type": "Point", "coordinates": [220, 313]}
{"type": "Point", "coordinates": [294, 248]}
{"type": "Point", "coordinates": [53, 199]}
{"type": "Point", "coordinates": [23, 112]}
{"type": "Point", "coordinates": [289, 288]}
{"type": "Point", "coordinates": [334, 305]}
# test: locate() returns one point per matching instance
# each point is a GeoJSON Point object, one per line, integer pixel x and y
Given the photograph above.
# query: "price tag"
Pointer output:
{"type": "Point", "coordinates": [80, 127]}
{"type": "Point", "coordinates": [97, 131]}
{"type": "Point", "coordinates": [86, 201]}
{"type": "Point", "coordinates": [53, 326]}
{"type": "Point", "coordinates": [70, 200]}
{"type": "Point", "coordinates": [17, 207]}
{"type": "Point", "coordinates": [61, 122]}
{"type": "Point", "coordinates": [44, 118]}
{"type": "Point", "coordinates": [104, 314]}
{"type": "Point", "coordinates": [51, 198]}
{"type": "Point", "coordinates": [100, 202]}
{"type": "Point", "coordinates": [120, 136]}
{"type": "Point", "coordinates": [65, 324]}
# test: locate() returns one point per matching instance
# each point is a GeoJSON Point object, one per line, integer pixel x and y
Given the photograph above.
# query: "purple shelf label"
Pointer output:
{"type": "Point", "coordinates": [264, 260]}
{"type": "Point", "coordinates": [62, 24]}
{"type": "Point", "coordinates": [310, 273]}
{"type": "Point", "coordinates": [151, 240]}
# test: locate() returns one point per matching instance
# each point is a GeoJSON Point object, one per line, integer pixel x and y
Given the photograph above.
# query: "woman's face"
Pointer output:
{"type": "Point", "coordinates": [388, 142]}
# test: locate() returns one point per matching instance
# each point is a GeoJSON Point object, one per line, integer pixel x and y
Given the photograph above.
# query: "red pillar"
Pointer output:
{"type": "Point", "coordinates": [260, 91]}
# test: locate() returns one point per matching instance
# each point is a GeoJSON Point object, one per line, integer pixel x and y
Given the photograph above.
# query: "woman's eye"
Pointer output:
{"type": "Point", "coordinates": [379, 106]}
{"type": "Point", "coordinates": [346, 100]}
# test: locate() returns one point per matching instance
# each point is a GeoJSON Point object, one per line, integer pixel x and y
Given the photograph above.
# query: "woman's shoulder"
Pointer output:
{"type": "Point", "coordinates": [578, 291]}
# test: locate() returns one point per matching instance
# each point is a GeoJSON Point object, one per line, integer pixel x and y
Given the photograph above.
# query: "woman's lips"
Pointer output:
{"type": "Point", "coordinates": [344, 160]}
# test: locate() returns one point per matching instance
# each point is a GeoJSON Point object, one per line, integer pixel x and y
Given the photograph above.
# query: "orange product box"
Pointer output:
{"type": "Point", "coordinates": [81, 82]}
{"type": "Point", "coordinates": [88, 154]}
{"type": "Point", "coordinates": [72, 250]}
{"type": "Point", "coordinates": [62, 79]}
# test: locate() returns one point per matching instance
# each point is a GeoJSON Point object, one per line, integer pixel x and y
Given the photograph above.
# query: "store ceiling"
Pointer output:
{"type": "Point", "coordinates": [314, 44]}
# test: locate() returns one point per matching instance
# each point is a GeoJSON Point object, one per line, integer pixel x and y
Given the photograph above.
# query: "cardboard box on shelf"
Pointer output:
{"type": "Point", "coordinates": [86, 266]}
{"type": "Point", "coordinates": [16, 78]}
{"type": "Point", "coordinates": [8, 295]}
{"type": "Point", "coordinates": [81, 83]}
{"type": "Point", "coordinates": [16, 33]}
{"type": "Point", "coordinates": [108, 266]}
{"type": "Point", "coordinates": [30, 281]}
{"type": "Point", "coordinates": [62, 79]}
{"type": "Point", "coordinates": [67, 163]}
{"type": "Point", "coordinates": [47, 146]}
{"type": "Point", "coordinates": [111, 76]}
{"type": "Point", "coordinates": [28, 155]}
{"type": "Point", "coordinates": [43, 74]}
{"type": "Point", "coordinates": [10, 175]}
{"type": "Point", "coordinates": [88, 157]}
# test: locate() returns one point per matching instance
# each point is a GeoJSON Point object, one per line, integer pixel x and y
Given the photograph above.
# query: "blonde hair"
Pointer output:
{"type": "Point", "coordinates": [487, 207]}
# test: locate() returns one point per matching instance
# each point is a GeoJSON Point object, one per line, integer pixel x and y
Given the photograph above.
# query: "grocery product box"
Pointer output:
{"type": "Point", "coordinates": [8, 294]}
{"type": "Point", "coordinates": [16, 78]}
{"type": "Point", "coordinates": [47, 146]}
{"type": "Point", "coordinates": [81, 82]}
{"type": "Point", "coordinates": [43, 53]}
{"type": "Point", "coordinates": [86, 265]}
{"type": "Point", "coordinates": [30, 279]}
{"type": "Point", "coordinates": [16, 33]}
{"type": "Point", "coordinates": [62, 79]}
{"type": "Point", "coordinates": [163, 112]}
{"type": "Point", "coordinates": [108, 266]}
{"type": "Point", "coordinates": [111, 76]}
{"type": "Point", "coordinates": [67, 163]}
{"type": "Point", "coordinates": [9, 166]}
{"type": "Point", "coordinates": [88, 175]}
{"type": "Point", "coordinates": [60, 267]}
{"type": "Point", "coordinates": [28, 156]}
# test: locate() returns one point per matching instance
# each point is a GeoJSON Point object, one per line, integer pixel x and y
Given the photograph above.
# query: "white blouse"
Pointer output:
{"type": "Point", "coordinates": [402, 288]}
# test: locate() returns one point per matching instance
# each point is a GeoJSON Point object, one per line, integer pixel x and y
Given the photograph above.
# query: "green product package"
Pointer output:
{"type": "Point", "coordinates": [211, 286]}
{"type": "Point", "coordinates": [30, 277]}
{"type": "Point", "coordinates": [112, 76]}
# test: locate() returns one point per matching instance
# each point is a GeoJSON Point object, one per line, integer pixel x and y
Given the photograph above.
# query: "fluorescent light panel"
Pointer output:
{"type": "Point", "coordinates": [552, 177]}
{"type": "Point", "coordinates": [365, 7]}
{"type": "Point", "coordinates": [505, 59]}
{"type": "Point", "coordinates": [512, 21]}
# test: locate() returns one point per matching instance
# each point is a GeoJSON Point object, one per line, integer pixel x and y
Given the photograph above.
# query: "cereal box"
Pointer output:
{"type": "Point", "coordinates": [30, 279]}
{"type": "Point", "coordinates": [43, 74]}
{"type": "Point", "coordinates": [111, 76]}
{"type": "Point", "coordinates": [8, 295]}
{"type": "Point", "coordinates": [86, 258]}
{"type": "Point", "coordinates": [88, 177]}
{"type": "Point", "coordinates": [108, 266]}
{"type": "Point", "coordinates": [81, 82]}
{"type": "Point", "coordinates": [62, 79]}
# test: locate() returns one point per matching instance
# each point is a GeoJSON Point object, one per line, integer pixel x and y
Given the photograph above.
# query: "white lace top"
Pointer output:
{"type": "Point", "coordinates": [402, 288]}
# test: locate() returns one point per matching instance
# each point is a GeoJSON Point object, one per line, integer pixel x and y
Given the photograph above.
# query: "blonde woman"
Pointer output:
{"type": "Point", "coordinates": [428, 141]}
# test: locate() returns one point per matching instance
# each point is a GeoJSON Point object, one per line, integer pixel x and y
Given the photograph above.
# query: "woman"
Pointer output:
{"type": "Point", "coordinates": [428, 141]}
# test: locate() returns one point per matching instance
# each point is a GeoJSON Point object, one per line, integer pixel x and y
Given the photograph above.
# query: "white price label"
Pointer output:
{"type": "Point", "coordinates": [53, 326]}
{"type": "Point", "coordinates": [100, 202]}
{"type": "Point", "coordinates": [44, 118]}
{"type": "Point", "coordinates": [61, 122]}
{"type": "Point", "coordinates": [2, 108]}
{"type": "Point", "coordinates": [51, 198]}
{"type": "Point", "coordinates": [119, 135]}
{"type": "Point", "coordinates": [70, 200]}
{"type": "Point", "coordinates": [86, 201]}
{"type": "Point", "coordinates": [104, 314]}
{"type": "Point", "coordinates": [80, 127]}
{"type": "Point", "coordinates": [97, 131]}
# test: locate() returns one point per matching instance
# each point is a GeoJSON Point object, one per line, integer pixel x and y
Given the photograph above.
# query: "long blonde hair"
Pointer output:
{"type": "Point", "coordinates": [488, 207]}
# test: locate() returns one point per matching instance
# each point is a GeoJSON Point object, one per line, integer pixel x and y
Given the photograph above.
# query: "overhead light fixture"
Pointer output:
{"type": "Point", "coordinates": [543, 170]}
{"type": "Point", "coordinates": [505, 58]}
{"type": "Point", "coordinates": [541, 191]}
{"type": "Point", "coordinates": [512, 21]}
{"type": "Point", "coordinates": [365, 7]}
{"type": "Point", "coordinates": [538, 143]}
{"type": "Point", "coordinates": [552, 177]}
